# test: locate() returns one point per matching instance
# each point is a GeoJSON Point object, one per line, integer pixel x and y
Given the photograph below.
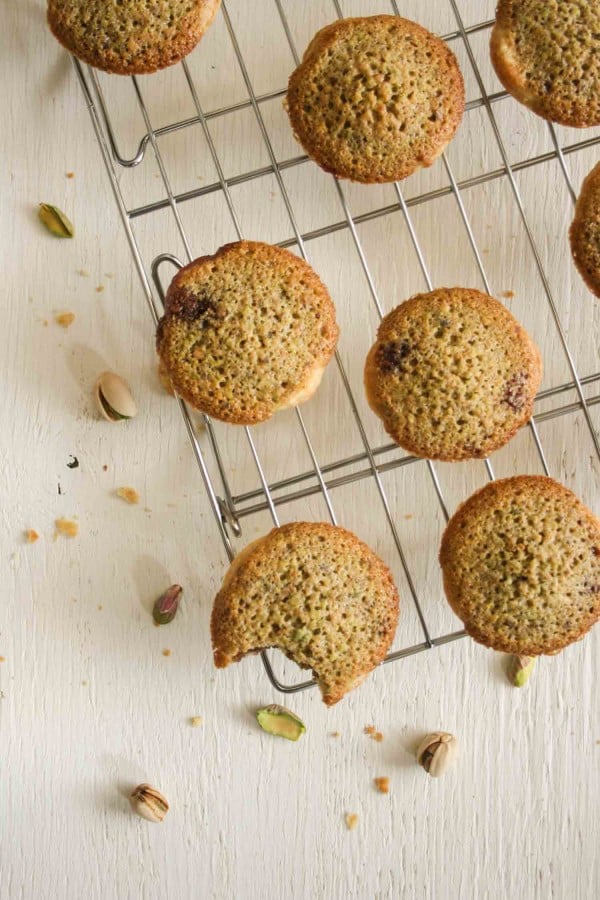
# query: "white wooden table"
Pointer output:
{"type": "Point", "coordinates": [89, 705]}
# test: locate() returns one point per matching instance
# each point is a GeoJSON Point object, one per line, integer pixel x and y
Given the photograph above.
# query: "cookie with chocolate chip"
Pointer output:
{"type": "Point", "coordinates": [246, 332]}
{"type": "Point", "coordinates": [452, 374]}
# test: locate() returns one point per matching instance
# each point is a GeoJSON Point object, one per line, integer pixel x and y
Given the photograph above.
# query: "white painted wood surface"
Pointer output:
{"type": "Point", "coordinates": [89, 705]}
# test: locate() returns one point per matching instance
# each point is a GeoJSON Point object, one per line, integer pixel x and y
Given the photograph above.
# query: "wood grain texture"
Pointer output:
{"type": "Point", "coordinates": [89, 705]}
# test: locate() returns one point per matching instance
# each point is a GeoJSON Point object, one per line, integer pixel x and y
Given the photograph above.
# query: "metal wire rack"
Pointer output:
{"type": "Point", "coordinates": [371, 462]}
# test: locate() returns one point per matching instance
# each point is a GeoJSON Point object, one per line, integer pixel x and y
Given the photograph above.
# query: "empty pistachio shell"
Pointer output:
{"type": "Point", "coordinates": [280, 721]}
{"type": "Point", "coordinates": [436, 752]}
{"type": "Point", "coordinates": [519, 669]}
{"type": "Point", "coordinates": [148, 803]}
{"type": "Point", "coordinates": [55, 221]}
{"type": "Point", "coordinates": [114, 397]}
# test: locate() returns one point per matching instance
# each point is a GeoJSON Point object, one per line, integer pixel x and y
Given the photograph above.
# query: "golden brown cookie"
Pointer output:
{"type": "Point", "coordinates": [246, 332]}
{"type": "Point", "coordinates": [130, 37]}
{"type": "Point", "coordinates": [521, 565]}
{"type": "Point", "coordinates": [375, 98]}
{"type": "Point", "coordinates": [317, 593]}
{"type": "Point", "coordinates": [584, 233]}
{"type": "Point", "coordinates": [452, 374]}
{"type": "Point", "coordinates": [546, 53]}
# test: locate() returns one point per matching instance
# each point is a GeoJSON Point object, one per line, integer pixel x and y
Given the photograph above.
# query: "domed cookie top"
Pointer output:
{"type": "Point", "coordinates": [246, 332]}
{"type": "Point", "coordinates": [130, 37]}
{"type": "Point", "coordinates": [521, 565]}
{"type": "Point", "coordinates": [452, 374]}
{"type": "Point", "coordinates": [375, 98]}
{"type": "Point", "coordinates": [584, 233]}
{"type": "Point", "coordinates": [546, 53]}
{"type": "Point", "coordinates": [316, 592]}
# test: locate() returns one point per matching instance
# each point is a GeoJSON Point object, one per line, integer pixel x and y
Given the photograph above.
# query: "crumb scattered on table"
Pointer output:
{"type": "Point", "coordinates": [508, 294]}
{"type": "Point", "coordinates": [84, 683]}
{"type": "Point", "coordinates": [31, 536]}
{"type": "Point", "coordinates": [70, 174]}
{"type": "Point", "coordinates": [334, 734]}
{"type": "Point", "coordinates": [375, 735]}
{"type": "Point", "coordinates": [408, 515]}
{"type": "Point", "coordinates": [382, 784]}
{"type": "Point", "coordinates": [83, 272]}
{"type": "Point", "coordinates": [195, 721]}
{"type": "Point", "coordinates": [100, 288]}
{"type": "Point", "coordinates": [65, 319]}
{"type": "Point", "coordinates": [129, 494]}
{"type": "Point", "coordinates": [351, 821]}
{"type": "Point", "coordinates": [66, 527]}
{"type": "Point", "coordinates": [166, 652]}
{"type": "Point", "coordinates": [105, 468]}
{"type": "Point", "coordinates": [2, 659]}
{"type": "Point", "coordinates": [100, 606]}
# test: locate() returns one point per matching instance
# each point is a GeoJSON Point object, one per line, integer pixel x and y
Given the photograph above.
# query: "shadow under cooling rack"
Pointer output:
{"type": "Point", "coordinates": [370, 462]}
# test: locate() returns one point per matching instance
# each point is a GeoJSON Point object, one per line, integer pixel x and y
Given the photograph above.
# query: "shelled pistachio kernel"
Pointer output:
{"type": "Point", "coordinates": [167, 605]}
{"type": "Point", "coordinates": [437, 752]}
{"type": "Point", "coordinates": [148, 803]}
{"type": "Point", "coordinates": [55, 221]}
{"type": "Point", "coordinates": [278, 720]}
{"type": "Point", "coordinates": [520, 669]}
{"type": "Point", "coordinates": [113, 397]}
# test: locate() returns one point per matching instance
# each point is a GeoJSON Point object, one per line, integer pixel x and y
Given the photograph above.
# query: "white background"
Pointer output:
{"type": "Point", "coordinates": [89, 704]}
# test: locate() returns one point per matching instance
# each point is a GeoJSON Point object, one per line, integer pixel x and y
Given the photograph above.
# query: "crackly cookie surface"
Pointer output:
{"type": "Point", "coordinates": [246, 332]}
{"type": "Point", "coordinates": [316, 592]}
{"type": "Point", "coordinates": [521, 565]}
{"type": "Point", "coordinates": [584, 233]}
{"type": "Point", "coordinates": [375, 98]}
{"type": "Point", "coordinates": [130, 37]}
{"type": "Point", "coordinates": [546, 53]}
{"type": "Point", "coordinates": [452, 374]}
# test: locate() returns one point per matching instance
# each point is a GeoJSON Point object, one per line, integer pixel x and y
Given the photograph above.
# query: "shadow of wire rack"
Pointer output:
{"type": "Point", "coordinates": [228, 509]}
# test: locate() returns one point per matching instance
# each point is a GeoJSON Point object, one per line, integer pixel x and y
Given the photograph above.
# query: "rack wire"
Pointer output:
{"type": "Point", "coordinates": [371, 462]}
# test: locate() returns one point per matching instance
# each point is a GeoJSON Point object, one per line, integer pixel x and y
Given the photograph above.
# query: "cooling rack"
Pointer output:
{"type": "Point", "coordinates": [372, 460]}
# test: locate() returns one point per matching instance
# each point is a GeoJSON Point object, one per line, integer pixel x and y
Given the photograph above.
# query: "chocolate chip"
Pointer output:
{"type": "Point", "coordinates": [390, 356]}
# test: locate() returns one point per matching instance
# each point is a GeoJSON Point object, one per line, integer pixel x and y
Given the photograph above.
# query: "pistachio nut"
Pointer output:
{"type": "Point", "coordinates": [114, 397]}
{"type": "Point", "coordinates": [519, 669]}
{"type": "Point", "coordinates": [55, 221]}
{"type": "Point", "coordinates": [148, 803]}
{"type": "Point", "coordinates": [167, 605]}
{"type": "Point", "coordinates": [280, 721]}
{"type": "Point", "coordinates": [436, 752]}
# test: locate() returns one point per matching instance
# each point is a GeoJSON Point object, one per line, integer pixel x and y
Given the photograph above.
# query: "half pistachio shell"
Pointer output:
{"type": "Point", "coordinates": [114, 398]}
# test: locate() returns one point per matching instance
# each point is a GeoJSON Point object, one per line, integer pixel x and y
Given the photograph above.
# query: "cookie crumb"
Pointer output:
{"type": "Point", "coordinates": [100, 288]}
{"type": "Point", "coordinates": [508, 294]}
{"type": "Point", "coordinates": [66, 527]}
{"type": "Point", "coordinates": [334, 734]}
{"type": "Point", "coordinates": [83, 272]}
{"type": "Point", "coordinates": [65, 319]}
{"type": "Point", "coordinates": [129, 494]}
{"type": "Point", "coordinates": [408, 516]}
{"type": "Point", "coordinates": [351, 821]}
{"type": "Point", "coordinates": [382, 785]}
{"type": "Point", "coordinates": [373, 733]}
{"type": "Point", "coordinates": [2, 659]}
{"type": "Point", "coordinates": [195, 721]}
{"type": "Point", "coordinates": [31, 536]}
{"type": "Point", "coordinates": [100, 606]}
{"type": "Point", "coordinates": [84, 683]}
{"type": "Point", "coordinates": [70, 174]}
{"type": "Point", "coordinates": [105, 468]}
{"type": "Point", "coordinates": [166, 652]}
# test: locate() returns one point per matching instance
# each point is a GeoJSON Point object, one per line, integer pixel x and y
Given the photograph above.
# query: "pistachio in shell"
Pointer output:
{"type": "Point", "coordinates": [114, 398]}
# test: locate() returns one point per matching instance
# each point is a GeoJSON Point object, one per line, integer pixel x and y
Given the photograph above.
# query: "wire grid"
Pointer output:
{"type": "Point", "coordinates": [228, 509]}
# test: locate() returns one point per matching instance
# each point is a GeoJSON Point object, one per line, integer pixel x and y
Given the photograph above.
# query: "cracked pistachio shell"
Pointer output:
{"type": "Point", "coordinates": [55, 221]}
{"type": "Point", "coordinates": [280, 721]}
{"type": "Point", "coordinates": [113, 397]}
{"type": "Point", "coordinates": [148, 803]}
{"type": "Point", "coordinates": [437, 752]}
